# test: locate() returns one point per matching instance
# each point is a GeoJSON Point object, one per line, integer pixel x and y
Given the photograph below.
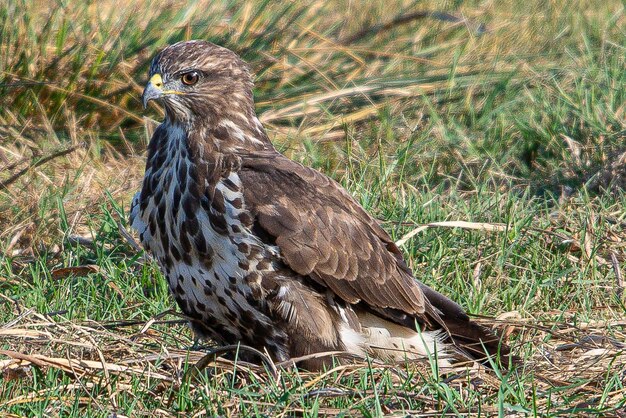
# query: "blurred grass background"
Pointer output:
{"type": "Point", "coordinates": [502, 112]}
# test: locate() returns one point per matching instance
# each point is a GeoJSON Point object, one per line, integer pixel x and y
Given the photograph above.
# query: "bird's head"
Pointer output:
{"type": "Point", "coordinates": [199, 80]}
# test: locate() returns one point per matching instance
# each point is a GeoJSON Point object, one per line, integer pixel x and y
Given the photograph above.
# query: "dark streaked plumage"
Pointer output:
{"type": "Point", "coordinates": [260, 250]}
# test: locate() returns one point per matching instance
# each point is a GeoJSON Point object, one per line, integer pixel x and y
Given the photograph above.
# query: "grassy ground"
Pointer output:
{"type": "Point", "coordinates": [500, 124]}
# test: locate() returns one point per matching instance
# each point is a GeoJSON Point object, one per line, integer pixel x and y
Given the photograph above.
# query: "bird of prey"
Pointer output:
{"type": "Point", "coordinates": [262, 251]}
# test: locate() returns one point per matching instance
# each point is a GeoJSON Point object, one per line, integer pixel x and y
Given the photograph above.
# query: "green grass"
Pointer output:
{"type": "Point", "coordinates": [513, 118]}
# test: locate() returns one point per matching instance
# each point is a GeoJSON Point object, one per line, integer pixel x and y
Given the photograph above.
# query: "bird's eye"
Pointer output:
{"type": "Point", "coordinates": [190, 78]}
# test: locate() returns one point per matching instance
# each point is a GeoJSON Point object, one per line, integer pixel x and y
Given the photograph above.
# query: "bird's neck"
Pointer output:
{"type": "Point", "coordinates": [225, 132]}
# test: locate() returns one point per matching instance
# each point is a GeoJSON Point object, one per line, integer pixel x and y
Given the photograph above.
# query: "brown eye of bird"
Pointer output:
{"type": "Point", "coordinates": [189, 79]}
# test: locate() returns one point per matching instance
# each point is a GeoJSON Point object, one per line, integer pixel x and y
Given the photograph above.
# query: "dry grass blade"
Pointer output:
{"type": "Point", "coordinates": [61, 273]}
{"type": "Point", "coordinates": [80, 365]}
{"type": "Point", "coordinates": [36, 163]}
{"type": "Point", "coordinates": [402, 20]}
{"type": "Point", "coordinates": [618, 274]}
{"type": "Point", "coordinates": [235, 349]}
{"type": "Point", "coordinates": [479, 226]}
{"type": "Point", "coordinates": [326, 354]}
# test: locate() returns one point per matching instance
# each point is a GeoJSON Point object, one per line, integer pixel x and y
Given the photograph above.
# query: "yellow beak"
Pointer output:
{"type": "Point", "coordinates": [153, 90]}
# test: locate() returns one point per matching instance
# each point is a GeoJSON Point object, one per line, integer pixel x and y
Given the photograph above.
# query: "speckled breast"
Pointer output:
{"type": "Point", "coordinates": [204, 246]}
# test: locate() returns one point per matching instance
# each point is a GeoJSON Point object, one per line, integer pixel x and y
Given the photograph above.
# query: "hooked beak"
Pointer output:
{"type": "Point", "coordinates": [153, 90]}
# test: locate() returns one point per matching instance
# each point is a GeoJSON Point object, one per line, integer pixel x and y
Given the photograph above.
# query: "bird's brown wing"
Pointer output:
{"type": "Point", "coordinates": [323, 233]}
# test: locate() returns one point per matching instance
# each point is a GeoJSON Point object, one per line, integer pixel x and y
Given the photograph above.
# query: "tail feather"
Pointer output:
{"type": "Point", "coordinates": [470, 339]}
{"type": "Point", "coordinates": [445, 332]}
{"type": "Point", "coordinates": [387, 340]}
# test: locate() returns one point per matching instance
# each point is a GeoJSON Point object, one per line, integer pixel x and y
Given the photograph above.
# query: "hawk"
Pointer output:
{"type": "Point", "coordinates": [263, 251]}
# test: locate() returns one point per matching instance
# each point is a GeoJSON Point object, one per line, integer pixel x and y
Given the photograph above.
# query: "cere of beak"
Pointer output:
{"type": "Point", "coordinates": [153, 90]}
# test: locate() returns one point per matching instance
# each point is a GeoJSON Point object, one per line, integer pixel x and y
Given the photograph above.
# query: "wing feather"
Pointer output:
{"type": "Point", "coordinates": [323, 233]}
